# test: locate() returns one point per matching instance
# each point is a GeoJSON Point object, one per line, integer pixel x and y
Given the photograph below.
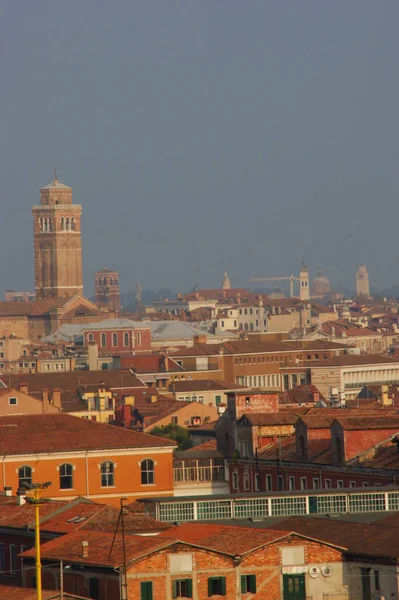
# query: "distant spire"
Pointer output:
{"type": "Point", "coordinates": [55, 173]}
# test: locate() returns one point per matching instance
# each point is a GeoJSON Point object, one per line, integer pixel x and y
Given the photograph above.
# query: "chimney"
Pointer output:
{"type": "Point", "coordinates": [93, 356]}
{"type": "Point", "coordinates": [23, 388]}
{"type": "Point", "coordinates": [8, 491]}
{"type": "Point", "coordinates": [57, 397]}
{"type": "Point", "coordinates": [85, 549]}
{"type": "Point", "coordinates": [45, 395]}
{"type": "Point", "coordinates": [21, 500]}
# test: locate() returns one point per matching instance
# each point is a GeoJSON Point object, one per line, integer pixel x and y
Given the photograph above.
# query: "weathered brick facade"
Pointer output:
{"type": "Point", "coordinates": [57, 243]}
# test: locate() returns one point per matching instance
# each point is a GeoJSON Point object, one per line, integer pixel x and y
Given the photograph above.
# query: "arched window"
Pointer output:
{"type": "Point", "coordinates": [62, 223]}
{"type": "Point", "coordinates": [41, 223]}
{"type": "Point", "coordinates": [25, 476]}
{"type": "Point", "coordinates": [50, 225]}
{"type": "Point", "coordinates": [126, 339]}
{"type": "Point", "coordinates": [66, 477]}
{"type": "Point", "coordinates": [90, 337]}
{"type": "Point", "coordinates": [114, 339]}
{"type": "Point", "coordinates": [105, 281]}
{"type": "Point", "coordinates": [246, 326]}
{"type": "Point", "coordinates": [139, 338]}
{"type": "Point", "coordinates": [103, 340]}
{"type": "Point", "coordinates": [147, 472]}
{"type": "Point", "coordinates": [107, 474]}
{"type": "Point", "coordinates": [251, 326]}
{"type": "Point", "coordinates": [73, 224]}
{"type": "Point", "coordinates": [67, 224]}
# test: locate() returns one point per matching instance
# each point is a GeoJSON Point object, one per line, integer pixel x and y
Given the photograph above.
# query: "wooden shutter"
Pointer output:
{"type": "Point", "coordinates": [174, 589]}
{"type": "Point", "coordinates": [223, 586]}
{"type": "Point", "coordinates": [146, 590]}
{"type": "Point", "coordinates": [243, 584]}
{"type": "Point", "coordinates": [210, 579]}
{"type": "Point", "coordinates": [252, 583]}
{"type": "Point", "coordinates": [189, 588]}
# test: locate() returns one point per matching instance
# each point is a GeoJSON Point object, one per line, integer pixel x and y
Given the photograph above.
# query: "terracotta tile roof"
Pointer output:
{"type": "Point", "coordinates": [302, 394]}
{"type": "Point", "coordinates": [256, 347]}
{"type": "Point", "coordinates": [352, 360]}
{"type": "Point", "coordinates": [202, 385]}
{"type": "Point", "coordinates": [61, 432]}
{"type": "Point", "coordinates": [280, 418]}
{"type": "Point", "coordinates": [69, 548]}
{"type": "Point", "coordinates": [72, 380]}
{"type": "Point", "coordinates": [283, 449]}
{"type": "Point", "coordinates": [107, 519]}
{"type": "Point", "coordinates": [12, 515]}
{"type": "Point", "coordinates": [318, 421]}
{"type": "Point", "coordinates": [223, 538]}
{"type": "Point", "coordinates": [369, 422]}
{"type": "Point", "coordinates": [359, 538]}
{"type": "Point", "coordinates": [204, 447]}
{"type": "Point", "coordinates": [11, 592]}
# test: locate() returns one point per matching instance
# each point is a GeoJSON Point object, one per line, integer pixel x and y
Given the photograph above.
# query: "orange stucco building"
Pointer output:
{"type": "Point", "coordinates": [84, 458]}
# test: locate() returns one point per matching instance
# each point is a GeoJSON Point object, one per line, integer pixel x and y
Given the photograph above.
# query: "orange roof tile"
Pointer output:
{"type": "Point", "coordinates": [27, 434]}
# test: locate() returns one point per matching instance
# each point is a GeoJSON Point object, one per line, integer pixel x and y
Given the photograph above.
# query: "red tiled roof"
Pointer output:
{"type": "Point", "coordinates": [10, 592]}
{"type": "Point", "coordinates": [72, 380]}
{"type": "Point", "coordinates": [344, 360]}
{"type": "Point", "coordinates": [224, 538]}
{"type": "Point", "coordinates": [61, 432]}
{"type": "Point", "coordinates": [369, 422]}
{"type": "Point", "coordinates": [202, 385]}
{"type": "Point", "coordinates": [279, 418]}
{"type": "Point", "coordinates": [205, 447]}
{"type": "Point", "coordinates": [69, 548]}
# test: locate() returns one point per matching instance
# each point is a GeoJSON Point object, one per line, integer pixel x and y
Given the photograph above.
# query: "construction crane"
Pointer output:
{"type": "Point", "coordinates": [290, 278]}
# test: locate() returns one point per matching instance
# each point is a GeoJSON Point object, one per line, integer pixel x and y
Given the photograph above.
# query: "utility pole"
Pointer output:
{"type": "Point", "coordinates": [35, 497]}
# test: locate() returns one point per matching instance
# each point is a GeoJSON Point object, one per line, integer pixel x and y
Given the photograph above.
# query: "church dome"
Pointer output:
{"type": "Point", "coordinates": [320, 285]}
{"type": "Point", "coordinates": [276, 294]}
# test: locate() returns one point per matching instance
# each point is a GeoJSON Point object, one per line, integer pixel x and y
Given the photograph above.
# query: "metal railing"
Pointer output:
{"type": "Point", "coordinates": [190, 474]}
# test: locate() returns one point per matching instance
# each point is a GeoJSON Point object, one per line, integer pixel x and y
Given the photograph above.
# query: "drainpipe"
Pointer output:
{"type": "Point", "coordinates": [87, 475]}
{"type": "Point", "coordinates": [4, 471]}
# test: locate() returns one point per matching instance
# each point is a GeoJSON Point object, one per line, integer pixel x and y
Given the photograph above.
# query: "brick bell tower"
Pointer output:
{"type": "Point", "coordinates": [57, 241]}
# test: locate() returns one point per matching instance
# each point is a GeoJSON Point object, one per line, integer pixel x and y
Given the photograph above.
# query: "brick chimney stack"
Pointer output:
{"type": "Point", "coordinates": [57, 397]}
{"type": "Point", "coordinates": [23, 388]}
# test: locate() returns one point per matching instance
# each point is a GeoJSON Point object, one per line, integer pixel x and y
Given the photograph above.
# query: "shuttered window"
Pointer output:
{"type": "Point", "coordinates": [248, 584]}
{"type": "Point", "coordinates": [217, 586]}
{"type": "Point", "coordinates": [182, 588]}
{"type": "Point", "coordinates": [146, 590]}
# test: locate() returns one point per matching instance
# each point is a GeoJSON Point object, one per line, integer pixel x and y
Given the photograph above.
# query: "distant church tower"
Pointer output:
{"type": "Point", "coordinates": [226, 284]}
{"type": "Point", "coordinates": [107, 289]}
{"type": "Point", "coordinates": [304, 283]}
{"type": "Point", "coordinates": [362, 281]}
{"type": "Point", "coordinates": [57, 243]}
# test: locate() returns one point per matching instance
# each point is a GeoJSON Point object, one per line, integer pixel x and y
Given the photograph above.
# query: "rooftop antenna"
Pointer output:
{"type": "Point", "coordinates": [55, 173]}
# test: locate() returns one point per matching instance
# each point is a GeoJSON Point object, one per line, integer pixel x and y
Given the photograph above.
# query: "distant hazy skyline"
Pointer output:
{"type": "Point", "coordinates": [203, 135]}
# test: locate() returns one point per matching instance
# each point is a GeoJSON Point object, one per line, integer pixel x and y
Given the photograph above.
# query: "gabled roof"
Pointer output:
{"type": "Point", "coordinates": [72, 380]}
{"type": "Point", "coordinates": [367, 422]}
{"type": "Point", "coordinates": [64, 433]}
{"type": "Point", "coordinates": [271, 419]}
{"type": "Point", "coordinates": [69, 548]}
{"type": "Point", "coordinates": [227, 539]}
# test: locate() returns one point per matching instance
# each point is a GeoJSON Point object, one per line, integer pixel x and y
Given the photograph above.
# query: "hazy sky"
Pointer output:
{"type": "Point", "coordinates": [201, 135]}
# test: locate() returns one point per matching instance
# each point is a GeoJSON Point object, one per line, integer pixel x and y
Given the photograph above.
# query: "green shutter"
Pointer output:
{"type": "Point", "coordinates": [243, 584]}
{"type": "Point", "coordinates": [252, 583]}
{"type": "Point", "coordinates": [146, 590]}
{"type": "Point", "coordinates": [189, 588]}
{"type": "Point", "coordinates": [210, 579]}
{"type": "Point", "coordinates": [174, 589]}
{"type": "Point", "coordinates": [223, 586]}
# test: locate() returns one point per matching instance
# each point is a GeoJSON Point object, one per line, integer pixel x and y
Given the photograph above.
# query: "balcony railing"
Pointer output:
{"type": "Point", "coordinates": [193, 474]}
